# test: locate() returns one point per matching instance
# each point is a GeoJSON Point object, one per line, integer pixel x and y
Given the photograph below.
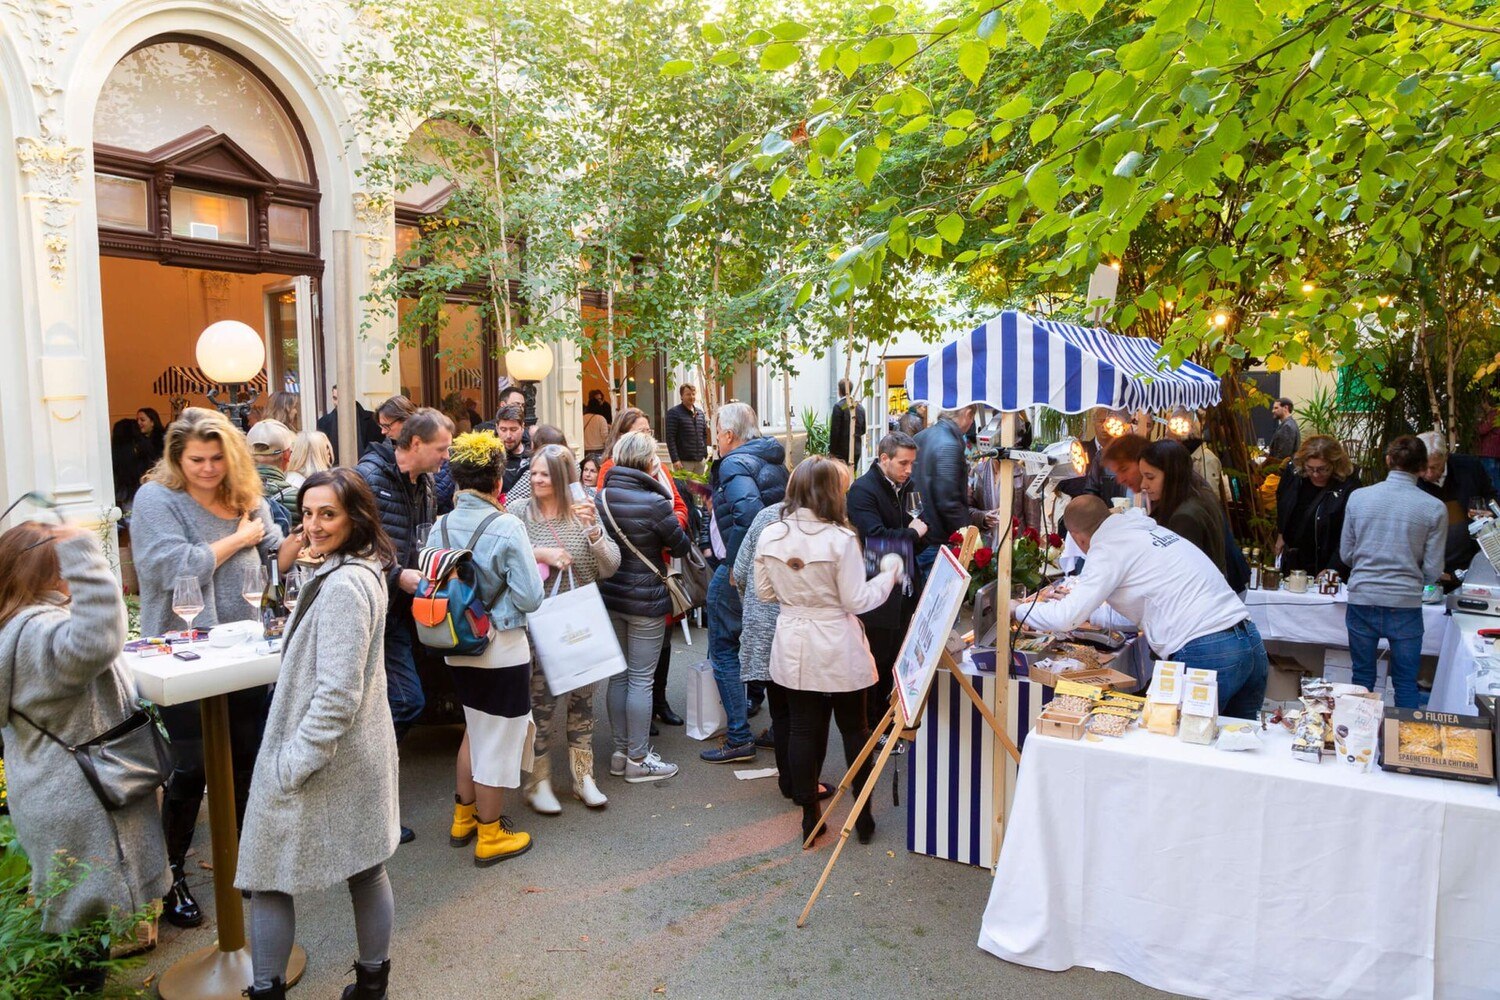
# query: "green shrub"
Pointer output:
{"type": "Point", "coordinates": [34, 964]}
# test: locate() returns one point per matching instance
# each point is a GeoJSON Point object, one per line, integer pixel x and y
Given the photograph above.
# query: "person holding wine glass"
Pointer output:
{"type": "Point", "coordinates": [885, 510]}
{"type": "Point", "coordinates": [201, 525]}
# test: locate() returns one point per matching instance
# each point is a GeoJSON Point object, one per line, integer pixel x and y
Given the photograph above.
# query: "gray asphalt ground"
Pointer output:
{"type": "Point", "coordinates": [689, 887]}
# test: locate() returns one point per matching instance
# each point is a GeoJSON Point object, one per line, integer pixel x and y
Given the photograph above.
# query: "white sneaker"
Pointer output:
{"type": "Point", "coordinates": [617, 762]}
{"type": "Point", "coordinates": [650, 768]}
{"type": "Point", "coordinates": [543, 799]}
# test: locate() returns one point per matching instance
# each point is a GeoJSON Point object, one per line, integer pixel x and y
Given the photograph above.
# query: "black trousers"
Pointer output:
{"type": "Point", "coordinates": [781, 735]}
{"type": "Point", "coordinates": [809, 713]}
{"type": "Point", "coordinates": [659, 682]}
{"type": "Point", "coordinates": [185, 788]}
{"type": "Point", "coordinates": [885, 646]}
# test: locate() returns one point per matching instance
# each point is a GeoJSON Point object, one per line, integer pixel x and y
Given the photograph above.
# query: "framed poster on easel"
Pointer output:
{"type": "Point", "coordinates": [927, 636]}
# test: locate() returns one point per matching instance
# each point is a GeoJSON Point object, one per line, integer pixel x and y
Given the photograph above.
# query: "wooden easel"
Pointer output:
{"type": "Point", "coordinates": [904, 731]}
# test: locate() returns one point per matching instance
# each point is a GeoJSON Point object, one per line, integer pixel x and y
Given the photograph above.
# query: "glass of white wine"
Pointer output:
{"type": "Point", "coordinates": [296, 579]}
{"type": "Point", "coordinates": [187, 599]}
{"type": "Point", "coordinates": [254, 588]}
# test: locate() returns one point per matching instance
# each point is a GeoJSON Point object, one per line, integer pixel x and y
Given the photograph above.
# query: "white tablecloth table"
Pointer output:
{"type": "Point", "coordinates": [220, 971]}
{"type": "Point", "coordinates": [1229, 875]}
{"type": "Point", "coordinates": [1463, 657]}
{"type": "Point", "coordinates": [1318, 619]}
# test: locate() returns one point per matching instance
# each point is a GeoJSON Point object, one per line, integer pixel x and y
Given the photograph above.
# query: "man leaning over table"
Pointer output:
{"type": "Point", "coordinates": [1169, 588]}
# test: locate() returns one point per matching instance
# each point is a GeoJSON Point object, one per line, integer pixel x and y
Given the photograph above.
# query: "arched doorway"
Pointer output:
{"type": "Point", "coordinates": [208, 209]}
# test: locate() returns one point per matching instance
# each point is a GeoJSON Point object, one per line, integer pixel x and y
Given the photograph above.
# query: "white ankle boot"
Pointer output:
{"type": "Point", "coordinates": [583, 779]}
{"type": "Point", "coordinates": [539, 794]}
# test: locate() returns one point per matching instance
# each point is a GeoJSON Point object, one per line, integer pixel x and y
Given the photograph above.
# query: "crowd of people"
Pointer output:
{"type": "Point", "coordinates": [816, 575]}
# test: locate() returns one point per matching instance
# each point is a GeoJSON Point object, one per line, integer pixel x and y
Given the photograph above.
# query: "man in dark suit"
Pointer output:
{"type": "Point", "coordinates": [1459, 481]}
{"type": "Point", "coordinates": [846, 412]}
{"type": "Point", "coordinates": [877, 509]}
{"type": "Point", "coordinates": [367, 429]}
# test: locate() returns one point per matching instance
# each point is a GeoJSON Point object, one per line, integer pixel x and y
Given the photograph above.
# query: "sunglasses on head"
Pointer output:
{"type": "Point", "coordinates": [40, 500]}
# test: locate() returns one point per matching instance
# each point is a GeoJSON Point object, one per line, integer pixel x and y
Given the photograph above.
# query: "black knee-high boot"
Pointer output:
{"type": "Point", "coordinates": [179, 816]}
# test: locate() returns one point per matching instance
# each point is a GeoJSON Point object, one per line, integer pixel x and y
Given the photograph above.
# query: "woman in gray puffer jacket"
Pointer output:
{"type": "Point", "coordinates": [60, 669]}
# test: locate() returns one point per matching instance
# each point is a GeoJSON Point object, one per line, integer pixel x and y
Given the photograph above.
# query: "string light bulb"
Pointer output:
{"type": "Point", "coordinates": [1308, 288]}
{"type": "Point", "coordinates": [1221, 319]}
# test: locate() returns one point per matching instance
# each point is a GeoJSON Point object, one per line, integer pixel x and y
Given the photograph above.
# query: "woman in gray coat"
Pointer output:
{"type": "Point", "coordinates": [60, 669]}
{"type": "Point", "coordinates": [323, 800]}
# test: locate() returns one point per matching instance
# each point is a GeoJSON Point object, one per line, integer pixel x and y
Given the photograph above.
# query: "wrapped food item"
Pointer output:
{"type": "Point", "coordinates": [1309, 739]}
{"type": "Point", "coordinates": [1164, 698]}
{"type": "Point", "coordinates": [1238, 736]}
{"type": "Point", "coordinates": [1200, 708]}
{"type": "Point", "coordinates": [1104, 722]}
{"type": "Point", "coordinates": [1356, 729]}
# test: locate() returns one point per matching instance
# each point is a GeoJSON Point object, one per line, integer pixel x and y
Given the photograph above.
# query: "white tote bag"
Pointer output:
{"type": "Point", "coordinates": [574, 639]}
{"type": "Point", "coordinates": [705, 711]}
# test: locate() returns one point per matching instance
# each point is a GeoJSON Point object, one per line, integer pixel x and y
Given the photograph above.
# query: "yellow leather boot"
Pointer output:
{"type": "Point", "coordinates": [498, 841]}
{"type": "Point", "coordinates": [465, 823]}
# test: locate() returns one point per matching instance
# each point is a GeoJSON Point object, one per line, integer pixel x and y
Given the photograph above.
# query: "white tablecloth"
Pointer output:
{"type": "Point", "coordinates": [1282, 616]}
{"type": "Point", "coordinates": [1463, 656]}
{"type": "Point", "coordinates": [1228, 875]}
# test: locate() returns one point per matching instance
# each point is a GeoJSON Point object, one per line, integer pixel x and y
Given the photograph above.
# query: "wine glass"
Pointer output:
{"type": "Point", "coordinates": [422, 533]}
{"type": "Point", "coordinates": [187, 599]}
{"type": "Point", "coordinates": [914, 504]}
{"type": "Point", "coordinates": [292, 585]}
{"type": "Point", "coordinates": [253, 588]}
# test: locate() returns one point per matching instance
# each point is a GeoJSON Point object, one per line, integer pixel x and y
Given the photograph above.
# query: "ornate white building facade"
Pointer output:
{"type": "Point", "coordinates": [175, 162]}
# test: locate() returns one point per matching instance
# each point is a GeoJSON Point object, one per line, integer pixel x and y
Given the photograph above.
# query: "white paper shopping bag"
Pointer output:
{"type": "Point", "coordinates": [574, 640]}
{"type": "Point", "coordinates": [705, 712]}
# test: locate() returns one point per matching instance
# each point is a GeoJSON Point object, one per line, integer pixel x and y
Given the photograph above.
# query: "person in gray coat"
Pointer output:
{"type": "Point", "coordinates": [60, 668]}
{"type": "Point", "coordinates": [323, 802]}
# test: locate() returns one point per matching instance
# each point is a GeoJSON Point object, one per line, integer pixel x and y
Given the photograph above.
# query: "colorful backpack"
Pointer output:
{"type": "Point", "coordinates": [450, 609]}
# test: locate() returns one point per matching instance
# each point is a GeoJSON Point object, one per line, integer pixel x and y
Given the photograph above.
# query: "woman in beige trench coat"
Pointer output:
{"type": "Point", "coordinates": [811, 564]}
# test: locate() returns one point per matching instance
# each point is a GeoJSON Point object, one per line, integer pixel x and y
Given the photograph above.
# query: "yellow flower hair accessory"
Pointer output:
{"type": "Point", "coordinates": [476, 448]}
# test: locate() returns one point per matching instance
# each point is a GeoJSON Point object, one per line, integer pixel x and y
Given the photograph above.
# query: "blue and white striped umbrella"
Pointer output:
{"type": "Point", "coordinates": [1015, 361]}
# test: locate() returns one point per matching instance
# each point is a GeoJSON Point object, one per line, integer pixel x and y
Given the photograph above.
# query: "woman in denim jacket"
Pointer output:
{"type": "Point", "coordinates": [494, 687]}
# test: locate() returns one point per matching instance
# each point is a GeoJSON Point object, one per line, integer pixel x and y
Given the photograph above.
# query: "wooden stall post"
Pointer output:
{"type": "Point", "coordinates": [1002, 619]}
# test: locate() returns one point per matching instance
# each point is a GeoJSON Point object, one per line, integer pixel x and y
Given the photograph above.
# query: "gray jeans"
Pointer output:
{"type": "Point", "coordinates": [629, 698]}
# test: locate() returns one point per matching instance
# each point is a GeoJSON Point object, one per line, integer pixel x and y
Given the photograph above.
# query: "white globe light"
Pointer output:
{"type": "Point", "coordinates": [529, 363]}
{"type": "Point", "coordinates": [231, 352]}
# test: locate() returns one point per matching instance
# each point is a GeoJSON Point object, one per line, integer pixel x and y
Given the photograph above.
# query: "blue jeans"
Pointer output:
{"type": "Point", "coordinates": [1399, 627]}
{"type": "Point", "coordinates": [1239, 658]}
{"type": "Point", "coordinates": [724, 611]}
{"type": "Point", "coordinates": [403, 688]}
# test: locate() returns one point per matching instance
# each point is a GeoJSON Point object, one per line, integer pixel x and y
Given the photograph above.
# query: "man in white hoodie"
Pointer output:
{"type": "Point", "coordinates": [1169, 588]}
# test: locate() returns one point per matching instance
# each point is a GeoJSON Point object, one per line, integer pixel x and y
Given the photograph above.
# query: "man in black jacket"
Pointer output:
{"type": "Point", "coordinates": [877, 509]}
{"type": "Point", "coordinates": [1458, 481]}
{"type": "Point", "coordinates": [687, 432]}
{"type": "Point", "coordinates": [846, 412]}
{"type": "Point", "coordinates": [510, 427]}
{"type": "Point", "coordinates": [400, 476]}
{"type": "Point", "coordinates": [942, 478]}
{"type": "Point", "coordinates": [368, 430]}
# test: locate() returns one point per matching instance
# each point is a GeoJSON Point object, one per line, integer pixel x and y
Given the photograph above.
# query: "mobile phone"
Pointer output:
{"type": "Point", "coordinates": [575, 490]}
{"type": "Point", "coordinates": [187, 654]}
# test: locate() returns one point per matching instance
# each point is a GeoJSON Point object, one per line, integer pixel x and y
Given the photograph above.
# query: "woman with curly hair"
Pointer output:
{"type": "Point", "coordinates": [495, 686]}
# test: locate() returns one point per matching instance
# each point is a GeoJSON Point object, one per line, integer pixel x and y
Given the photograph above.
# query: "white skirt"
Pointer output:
{"type": "Point", "coordinates": [495, 691]}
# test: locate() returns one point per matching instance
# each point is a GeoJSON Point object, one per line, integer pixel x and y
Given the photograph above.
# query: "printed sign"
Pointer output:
{"type": "Point", "coordinates": [928, 634]}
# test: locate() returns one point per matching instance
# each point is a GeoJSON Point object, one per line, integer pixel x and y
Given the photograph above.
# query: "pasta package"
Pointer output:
{"type": "Point", "coordinates": [1436, 744]}
{"type": "Point", "coordinates": [1200, 708]}
{"type": "Point", "coordinates": [1356, 729]}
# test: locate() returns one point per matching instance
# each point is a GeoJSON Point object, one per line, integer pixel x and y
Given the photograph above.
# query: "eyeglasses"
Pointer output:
{"type": "Point", "coordinates": [40, 500]}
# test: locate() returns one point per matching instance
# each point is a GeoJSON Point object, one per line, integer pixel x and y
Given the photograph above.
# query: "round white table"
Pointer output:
{"type": "Point", "coordinates": [220, 971]}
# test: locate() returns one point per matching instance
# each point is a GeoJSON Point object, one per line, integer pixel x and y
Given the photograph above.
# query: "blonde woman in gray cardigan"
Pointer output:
{"type": "Point", "coordinates": [567, 537]}
{"type": "Point", "coordinates": [60, 670]}
{"type": "Point", "coordinates": [323, 801]}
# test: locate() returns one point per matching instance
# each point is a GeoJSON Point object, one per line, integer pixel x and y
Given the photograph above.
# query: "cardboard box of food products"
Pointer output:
{"type": "Point", "coordinates": [1438, 745]}
{"type": "Point", "coordinates": [1490, 705]}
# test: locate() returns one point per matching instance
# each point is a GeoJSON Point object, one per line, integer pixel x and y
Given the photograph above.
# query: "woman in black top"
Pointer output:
{"type": "Point", "coordinates": [1181, 501]}
{"type": "Point", "coordinates": [149, 421]}
{"type": "Point", "coordinates": [1310, 503]}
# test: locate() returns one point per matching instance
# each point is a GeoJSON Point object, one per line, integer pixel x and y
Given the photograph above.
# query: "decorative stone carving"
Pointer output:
{"type": "Point", "coordinates": [44, 27]}
{"type": "Point", "coordinates": [375, 215]}
{"type": "Point", "coordinates": [54, 170]}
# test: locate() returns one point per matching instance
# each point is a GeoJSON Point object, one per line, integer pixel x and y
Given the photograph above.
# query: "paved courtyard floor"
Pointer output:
{"type": "Point", "coordinates": [689, 887]}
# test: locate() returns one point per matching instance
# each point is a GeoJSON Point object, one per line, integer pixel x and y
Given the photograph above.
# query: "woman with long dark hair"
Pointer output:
{"type": "Point", "coordinates": [149, 421]}
{"type": "Point", "coordinates": [494, 687]}
{"type": "Point", "coordinates": [62, 623]}
{"type": "Point", "coordinates": [1181, 501]}
{"type": "Point", "coordinates": [809, 561]}
{"type": "Point", "coordinates": [131, 459]}
{"type": "Point", "coordinates": [323, 803]}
